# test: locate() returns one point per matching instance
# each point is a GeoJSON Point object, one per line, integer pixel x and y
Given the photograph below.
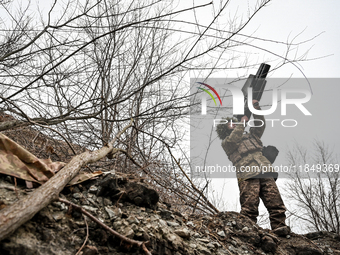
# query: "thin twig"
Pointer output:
{"type": "Point", "coordinates": [197, 200]}
{"type": "Point", "coordinates": [123, 192]}
{"type": "Point", "coordinates": [15, 187]}
{"type": "Point", "coordinates": [147, 252]}
{"type": "Point", "coordinates": [87, 236]}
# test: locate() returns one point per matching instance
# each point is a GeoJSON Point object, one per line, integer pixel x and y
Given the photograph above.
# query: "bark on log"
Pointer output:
{"type": "Point", "coordinates": [14, 216]}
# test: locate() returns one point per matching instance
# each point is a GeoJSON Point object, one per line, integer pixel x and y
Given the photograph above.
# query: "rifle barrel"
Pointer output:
{"type": "Point", "coordinates": [263, 71]}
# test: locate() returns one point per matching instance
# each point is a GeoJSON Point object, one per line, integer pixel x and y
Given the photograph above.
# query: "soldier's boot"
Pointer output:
{"type": "Point", "coordinates": [279, 226]}
{"type": "Point", "coordinates": [277, 218]}
{"type": "Point", "coordinates": [282, 231]}
{"type": "Point", "coordinates": [251, 215]}
{"type": "Point", "coordinates": [271, 198]}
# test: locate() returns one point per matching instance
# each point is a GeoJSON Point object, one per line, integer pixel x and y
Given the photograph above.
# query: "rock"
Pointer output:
{"type": "Point", "coordinates": [138, 200]}
{"type": "Point", "coordinates": [190, 224]}
{"type": "Point", "coordinates": [90, 201]}
{"type": "Point", "coordinates": [58, 216]}
{"type": "Point", "coordinates": [245, 229]}
{"type": "Point", "coordinates": [117, 224]}
{"type": "Point", "coordinates": [210, 246]}
{"type": "Point", "coordinates": [90, 209]}
{"type": "Point", "coordinates": [196, 235]}
{"type": "Point", "coordinates": [163, 223]}
{"type": "Point", "coordinates": [46, 215]}
{"type": "Point", "coordinates": [179, 214]}
{"type": "Point", "coordinates": [233, 249]}
{"type": "Point", "coordinates": [8, 179]}
{"type": "Point", "coordinates": [134, 227]}
{"type": "Point", "coordinates": [93, 189]}
{"type": "Point", "coordinates": [110, 212]}
{"type": "Point", "coordinates": [155, 217]}
{"type": "Point", "coordinates": [149, 227]}
{"type": "Point", "coordinates": [133, 220]}
{"type": "Point", "coordinates": [172, 224]}
{"type": "Point", "coordinates": [167, 215]}
{"type": "Point", "coordinates": [175, 240]}
{"type": "Point", "coordinates": [108, 186]}
{"type": "Point", "coordinates": [128, 232]}
{"type": "Point", "coordinates": [192, 245]}
{"type": "Point", "coordinates": [141, 195]}
{"type": "Point", "coordinates": [60, 205]}
{"type": "Point", "coordinates": [145, 237]}
{"type": "Point", "coordinates": [203, 250]}
{"type": "Point", "coordinates": [107, 201]}
{"type": "Point", "coordinates": [204, 240]}
{"type": "Point", "coordinates": [118, 212]}
{"type": "Point", "coordinates": [99, 200]}
{"type": "Point", "coordinates": [221, 233]}
{"type": "Point", "coordinates": [90, 250]}
{"type": "Point", "coordinates": [77, 195]}
{"type": "Point", "coordinates": [183, 232]}
{"type": "Point", "coordinates": [244, 247]}
{"type": "Point", "coordinates": [330, 251]}
{"type": "Point", "coordinates": [217, 244]}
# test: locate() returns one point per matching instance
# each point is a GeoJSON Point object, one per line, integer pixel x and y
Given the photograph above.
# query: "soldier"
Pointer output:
{"type": "Point", "coordinates": [255, 175]}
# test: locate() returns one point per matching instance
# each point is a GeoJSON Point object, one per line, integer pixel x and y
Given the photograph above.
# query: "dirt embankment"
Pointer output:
{"type": "Point", "coordinates": [132, 209]}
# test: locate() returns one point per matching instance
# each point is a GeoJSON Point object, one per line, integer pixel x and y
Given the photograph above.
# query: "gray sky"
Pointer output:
{"type": "Point", "coordinates": [282, 20]}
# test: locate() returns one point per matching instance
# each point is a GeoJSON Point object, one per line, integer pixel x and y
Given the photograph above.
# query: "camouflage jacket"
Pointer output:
{"type": "Point", "coordinates": [249, 162]}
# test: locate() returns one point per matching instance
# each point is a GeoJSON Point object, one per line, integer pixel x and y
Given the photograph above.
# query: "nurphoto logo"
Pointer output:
{"type": "Point", "coordinates": [239, 100]}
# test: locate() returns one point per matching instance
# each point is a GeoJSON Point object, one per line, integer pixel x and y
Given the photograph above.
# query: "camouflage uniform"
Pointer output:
{"type": "Point", "coordinates": [244, 151]}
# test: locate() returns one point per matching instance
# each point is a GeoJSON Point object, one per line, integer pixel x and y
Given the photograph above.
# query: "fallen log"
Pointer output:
{"type": "Point", "coordinates": [23, 210]}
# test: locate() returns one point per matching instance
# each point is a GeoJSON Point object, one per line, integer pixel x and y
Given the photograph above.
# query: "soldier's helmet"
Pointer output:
{"type": "Point", "coordinates": [222, 128]}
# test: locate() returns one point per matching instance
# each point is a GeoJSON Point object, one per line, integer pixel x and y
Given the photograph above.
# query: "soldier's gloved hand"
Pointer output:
{"type": "Point", "coordinates": [244, 119]}
{"type": "Point", "coordinates": [256, 104]}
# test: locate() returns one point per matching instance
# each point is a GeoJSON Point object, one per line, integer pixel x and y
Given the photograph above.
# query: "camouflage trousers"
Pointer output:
{"type": "Point", "coordinates": [251, 190]}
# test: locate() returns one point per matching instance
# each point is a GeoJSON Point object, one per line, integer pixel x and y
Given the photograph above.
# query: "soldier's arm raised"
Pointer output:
{"type": "Point", "coordinates": [236, 135]}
